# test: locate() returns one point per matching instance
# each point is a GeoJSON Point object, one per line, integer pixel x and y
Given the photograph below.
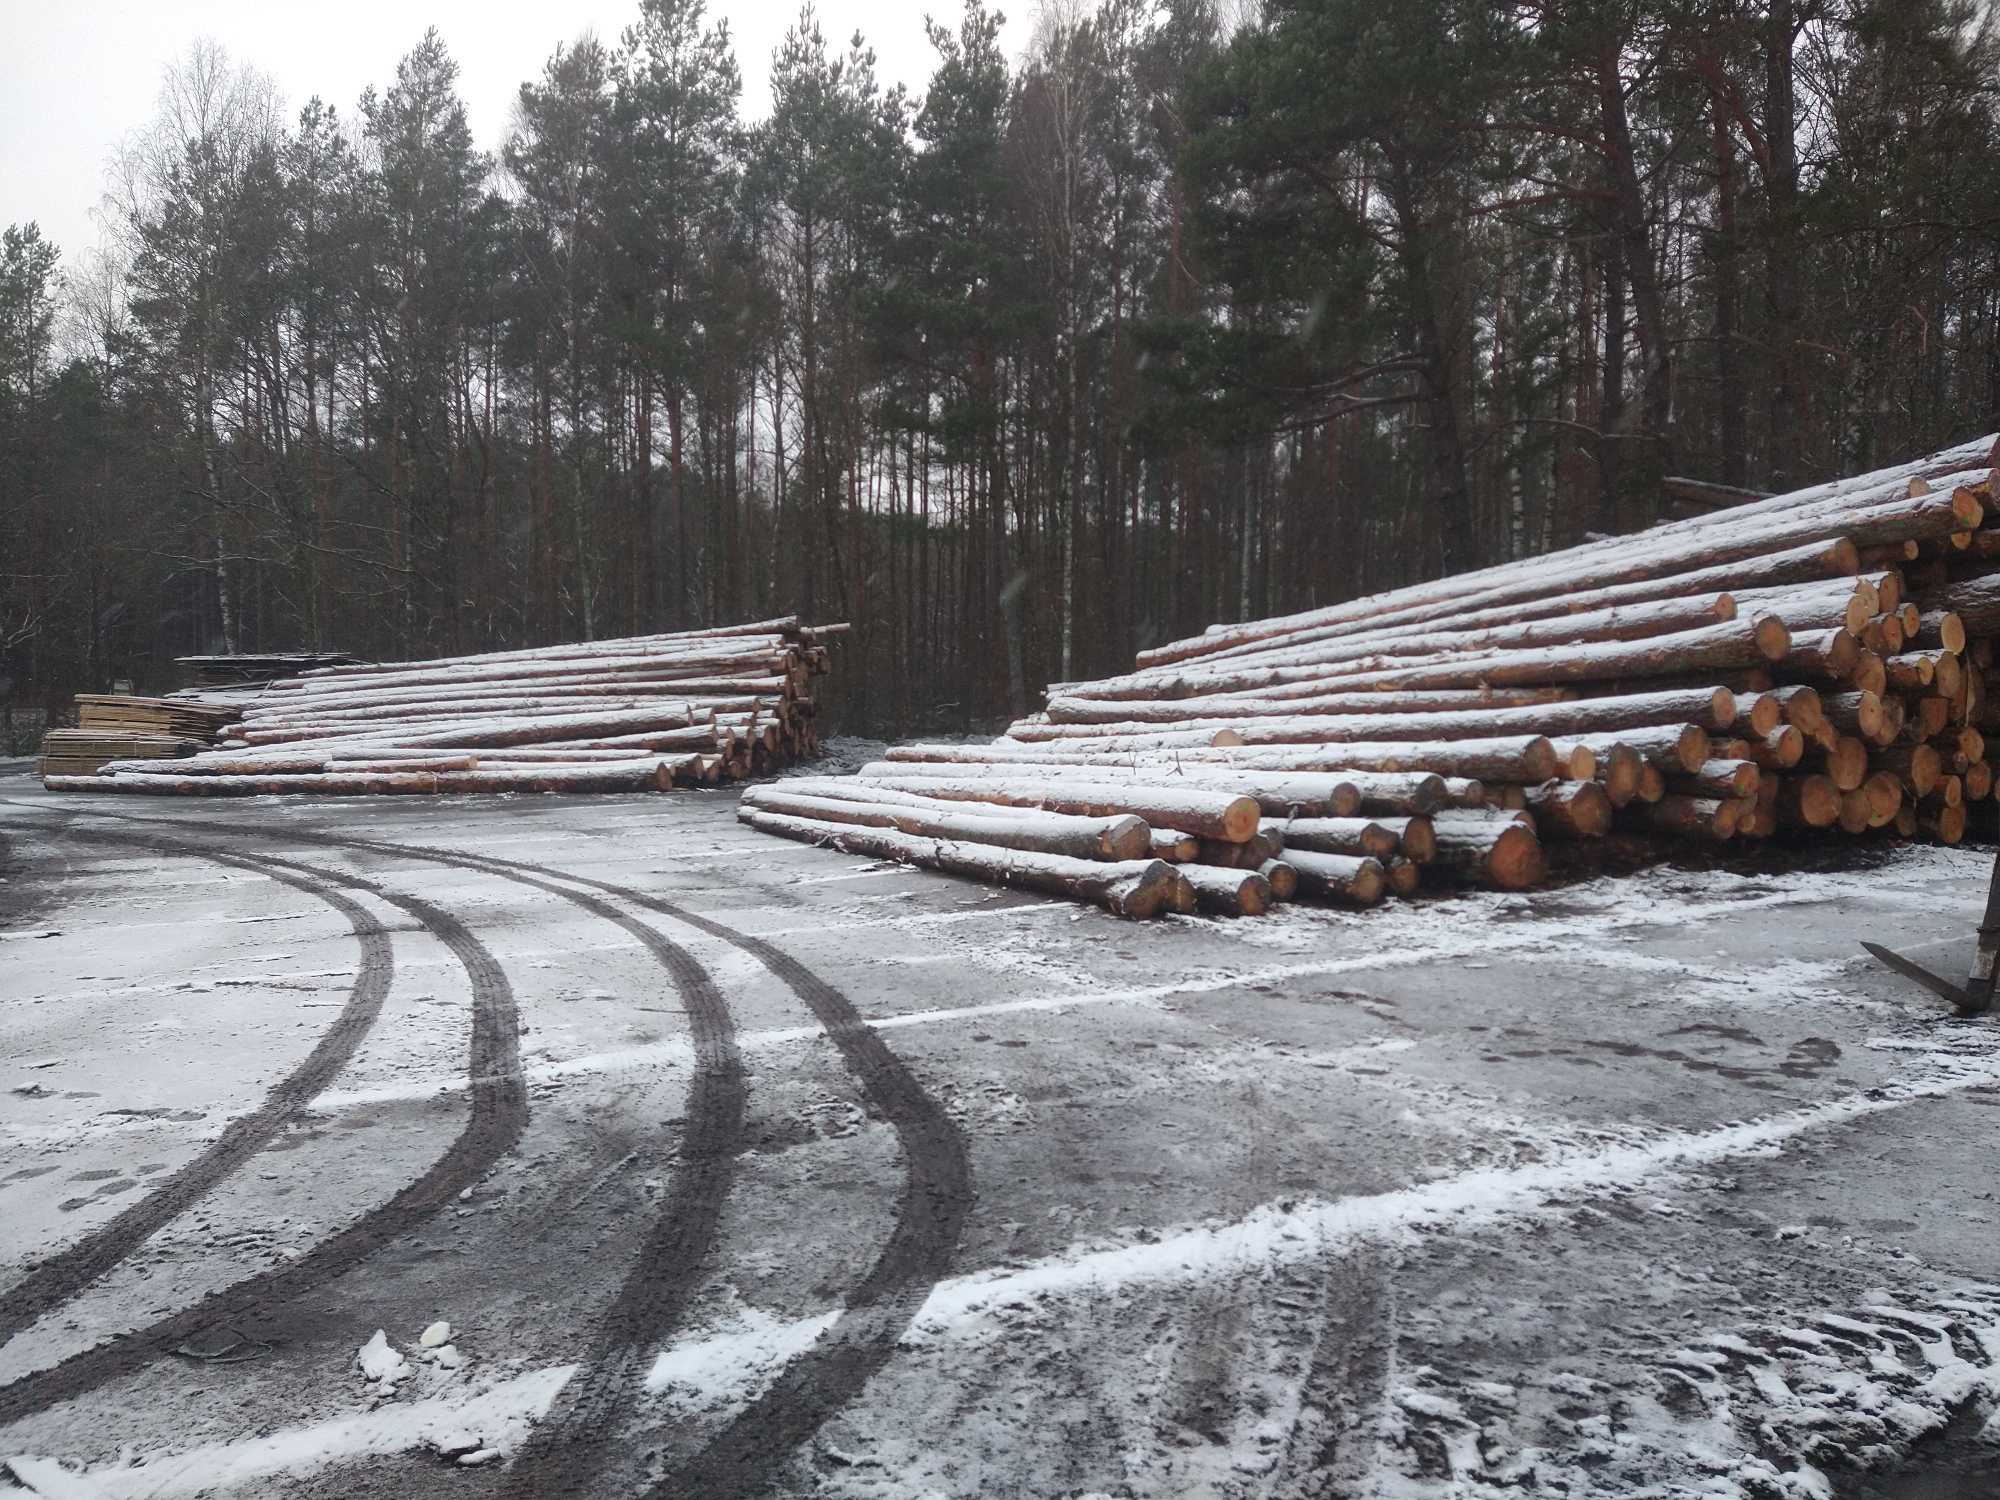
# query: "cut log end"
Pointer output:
{"type": "Point", "coordinates": [1772, 637]}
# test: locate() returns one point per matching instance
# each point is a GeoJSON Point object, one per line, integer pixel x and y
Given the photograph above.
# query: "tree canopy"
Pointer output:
{"type": "Point", "coordinates": [1187, 311]}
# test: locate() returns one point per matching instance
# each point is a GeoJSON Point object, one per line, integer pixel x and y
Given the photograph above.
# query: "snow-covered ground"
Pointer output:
{"type": "Point", "coordinates": [734, 1167]}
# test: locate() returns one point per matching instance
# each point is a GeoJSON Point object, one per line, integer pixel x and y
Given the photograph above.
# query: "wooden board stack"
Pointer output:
{"type": "Point", "coordinates": [268, 666]}
{"type": "Point", "coordinates": [113, 713]}
{"type": "Point", "coordinates": [1808, 661]}
{"type": "Point", "coordinates": [81, 752]}
{"type": "Point", "coordinates": [639, 714]}
{"type": "Point", "coordinates": [117, 727]}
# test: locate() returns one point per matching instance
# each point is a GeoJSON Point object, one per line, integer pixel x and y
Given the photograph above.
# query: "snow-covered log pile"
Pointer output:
{"type": "Point", "coordinates": [639, 714]}
{"type": "Point", "coordinates": [1810, 661]}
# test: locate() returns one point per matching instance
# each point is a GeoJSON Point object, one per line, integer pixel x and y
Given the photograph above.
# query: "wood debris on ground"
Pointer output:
{"type": "Point", "coordinates": [637, 714]}
{"type": "Point", "coordinates": [1808, 661]}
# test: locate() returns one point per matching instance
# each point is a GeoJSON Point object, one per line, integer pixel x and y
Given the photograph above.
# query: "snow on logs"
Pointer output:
{"type": "Point", "coordinates": [1807, 663]}
{"type": "Point", "coordinates": [641, 714]}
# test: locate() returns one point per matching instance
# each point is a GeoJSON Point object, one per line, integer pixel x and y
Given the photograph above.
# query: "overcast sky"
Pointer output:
{"type": "Point", "coordinates": [76, 76]}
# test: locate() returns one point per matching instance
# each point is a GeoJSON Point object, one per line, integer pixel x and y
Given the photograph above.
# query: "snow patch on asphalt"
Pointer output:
{"type": "Point", "coordinates": [721, 1368]}
{"type": "Point", "coordinates": [499, 1416]}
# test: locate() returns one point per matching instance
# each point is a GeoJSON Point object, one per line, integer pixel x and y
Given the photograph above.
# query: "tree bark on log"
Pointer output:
{"type": "Point", "coordinates": [1672, 748]}
{"type": "Point", "coordinates": [1279, 792]}
{"type": "Point", "coordinates": [1780, 750]}
{"type": "Point", "coordinates": [1801, 706]}
{"type": "Point", "coordinates": [1343, 879]}
{"type": "Point", "coordinates": [1282, 877]}
{"type": "Point", "coordinates": [1920, 767]}
{"type": "Point", "coordinates": [1505, 855]}
{"type": "Point", "coordinates": [1227, 893]}
{"type": "Point", "coordinates": [1809, 801]}
{"type": "Point", "coordinates": [1722, 779]}
{"type": "Point", "coordinates": [1688, 817]}
{"type": "Point", "coordinates": [1116, 839]}
{"type": "Point", "coordinates": [1573, 809]}
{"type": "Point", "coordinates": [1358, 837]}
{"type": "Point", "coordinates": [1215, 815]}
{"type": "Point", "coordinates": [1940, 629]}
{"type": "Point", "coordinates": [1622, 623]}
{"type": "Point", "coordinates": [1082, 720]}
{"type": "Point", "coordinates": [1135, 889]}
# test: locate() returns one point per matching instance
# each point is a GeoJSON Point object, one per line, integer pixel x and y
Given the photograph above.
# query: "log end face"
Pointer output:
{"type": "Point", "coordinates": [1253, 896]}
{"type": "Point", "coordinates": [1240, 819]}
{"type": "Point", "coordinates": [1772, 638]}
{"type": "Point", "coordinates": [1419, 842]}
{"type": "Point", "coordinates": [1869, 673]}
{"type": "Point", "coordinates": [1967, 508]}
{"type": "Point", "coordinates": [1516, 861]}
{"type": "Point", "coordinates": [1370, 881]}
{"type": "Point", "coordinates": [1691, 747]}
{"type": "Point", "coordinates": [1538, 758]}
{"type": "Point", "coordinates": [1281, 877]}
{"type": "Point", "coordinates": [1590, 811]}
{"type": "Point", "coordinates": [1126, 837]}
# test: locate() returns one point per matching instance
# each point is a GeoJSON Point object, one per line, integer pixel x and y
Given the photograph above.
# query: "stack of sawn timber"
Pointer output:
{"type": "Point", "coordinates": [118, 727]}
{"type": "Point", "coordinates": [263, 666]}
{"type": "Point", "coordinates": [640, 714]}
{"type": "Point", "coordinates": [1809, 661]}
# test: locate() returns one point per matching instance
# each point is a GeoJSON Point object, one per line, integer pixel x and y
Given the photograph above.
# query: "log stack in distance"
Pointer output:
{"type": "Point", "coordinates": [1807, 664]}
{"type": "Point", "coordinates": [643, 713]}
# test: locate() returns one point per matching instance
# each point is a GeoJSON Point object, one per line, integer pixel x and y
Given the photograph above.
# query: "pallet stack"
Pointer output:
{"type": "Point", "coordinates": [1810, 661]}
{"type": "Point", "coordinates": [639, 714]}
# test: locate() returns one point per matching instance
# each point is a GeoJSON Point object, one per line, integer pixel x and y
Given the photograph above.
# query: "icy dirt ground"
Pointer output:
{"type": "Point", "coordinates": [1651, 1186]}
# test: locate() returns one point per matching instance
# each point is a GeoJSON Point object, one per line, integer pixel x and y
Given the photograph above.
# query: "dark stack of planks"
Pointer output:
{"type": "Point", "coordinates": [639, 714]}
{"type": "Point", "coordinates": [267, 666]}
{"type": "Point", "coordinates": [1808, 661]}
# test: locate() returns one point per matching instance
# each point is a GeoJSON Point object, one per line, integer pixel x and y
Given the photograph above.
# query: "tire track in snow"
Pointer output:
{"type": "Point", "coordinates": [569, 1448]}
{"type": "Point", "coordinates": [498, 1115]}
{"type": "Point", "coordinates": [745, 1457]}
{"type": "Point", "coordinates": [62, 1275]}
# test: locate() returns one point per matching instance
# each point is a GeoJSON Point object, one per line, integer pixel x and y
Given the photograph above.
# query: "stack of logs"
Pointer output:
{"type": "Point", "coordinates": [640, 714]}
{"type": "Point", "coordinates": [1811, 661]}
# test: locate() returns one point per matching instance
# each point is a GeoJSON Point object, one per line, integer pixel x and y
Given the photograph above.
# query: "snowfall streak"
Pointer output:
{"type": "Point", "coordinates": [955, 1308]}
